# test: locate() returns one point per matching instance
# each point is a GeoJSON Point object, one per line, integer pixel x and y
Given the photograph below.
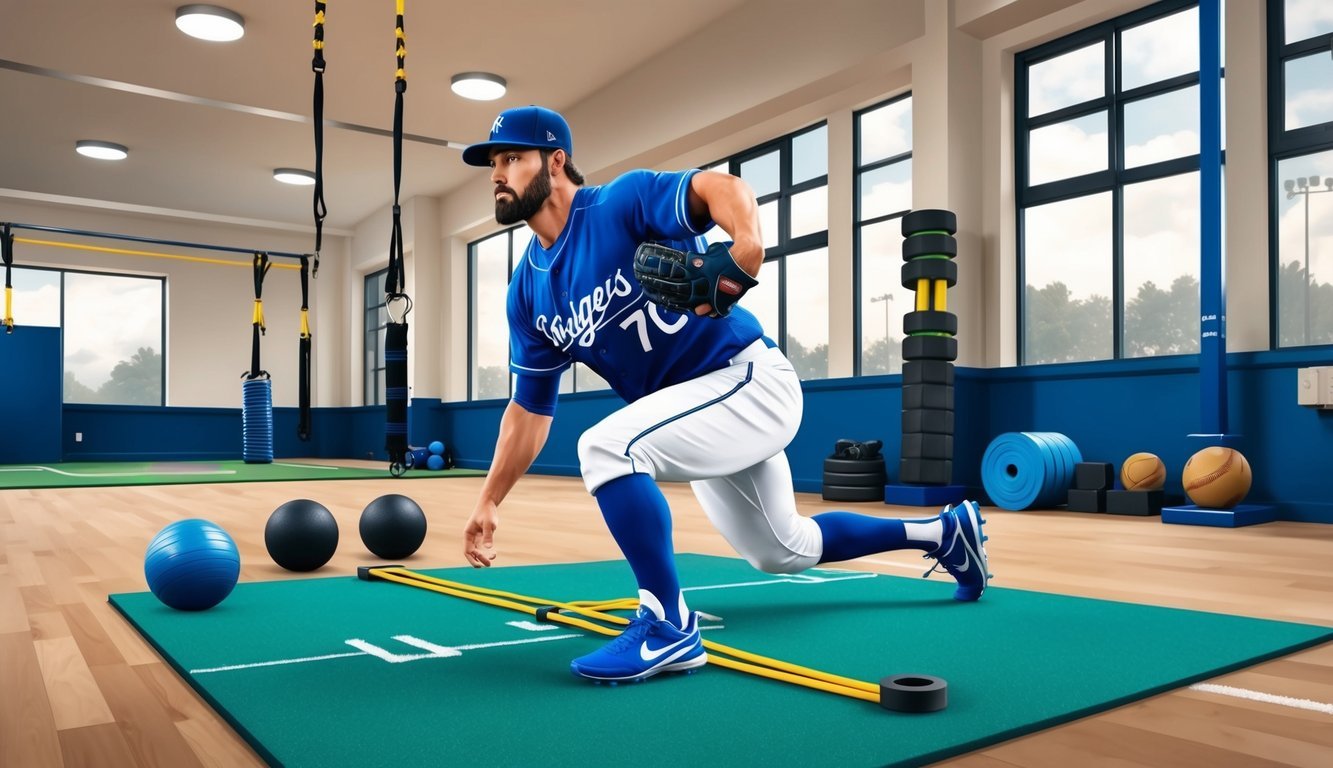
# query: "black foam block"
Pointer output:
{"type": "Point", "coordinates": [936, 396]}
{"type": "Point", "coordinates": [1081, 500]}
{"type": "Point", "coordinates": [920, 347]}
{"type": "Point", "coordinates": [925, 471]}
{"type": "Point", "coordinates": [1094, 476]}
{"type": "Point", "coordinates": [928, 372]}
{"type": "Point", "coordinates": [933, 420]}
{"type": "Point", "coordinates": [924, 445]}
{"type": "Point", "coordinates": [1139, 503]}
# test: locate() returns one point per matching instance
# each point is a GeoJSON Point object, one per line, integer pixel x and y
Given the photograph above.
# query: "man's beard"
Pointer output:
{"type": "Point", "coordinates": [518, 209]}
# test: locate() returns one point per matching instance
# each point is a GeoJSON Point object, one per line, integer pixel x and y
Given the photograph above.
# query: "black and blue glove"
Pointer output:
{"type": "Point", "coordinates": [680, 280]}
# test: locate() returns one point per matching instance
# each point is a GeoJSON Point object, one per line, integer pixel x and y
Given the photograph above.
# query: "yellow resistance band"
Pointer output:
{"type": "Point", "coordinates": [922, 295]}
{"type": "Point", "coordinates": [760, 665]}
{"type": "Point", "coordinates": [127, 252]}
{"type": "Point", "coordinates": [305, 324]}
{"type": "Point", "coordinates": [259, 314]}
{"type": "Point", "coordinates": [9, 309]}
{"type": "Point", "coordinates": [941, 295]}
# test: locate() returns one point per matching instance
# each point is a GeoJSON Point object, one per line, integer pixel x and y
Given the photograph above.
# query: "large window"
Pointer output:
{"type": "Point", "coordinates": [377, 319]}
{"type": "Point", "coordinates": [1107, 161]}
{"type": "Point", "coordinates": [790, 181]}
{"type": "Point", "coordinates": [883, 160]}
{"type": "Point", "coordinates": [1300, 93]}
{"type": "Point", "coordinates": [117, 362]}
{"type": "Point", "coordinates": [491, 262]}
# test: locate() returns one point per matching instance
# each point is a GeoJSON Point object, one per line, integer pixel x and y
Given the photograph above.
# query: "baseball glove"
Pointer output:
{"type": "Point", "coordinates": [680, 281]}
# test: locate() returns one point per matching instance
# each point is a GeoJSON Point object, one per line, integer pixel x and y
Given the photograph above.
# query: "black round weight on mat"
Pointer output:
{"type": "Point", "coordinates": [855, 466]}
{"type": "Point", "coordinates": [393, 526]}
{"type": "Point", "coordinates": [913, 693]}
{"type": "Point", "coordinates": [301, 535]}
{"type": "Point", "coordinates": [846, 493]}
{"type": "Point", "coordinates": [930, 220]}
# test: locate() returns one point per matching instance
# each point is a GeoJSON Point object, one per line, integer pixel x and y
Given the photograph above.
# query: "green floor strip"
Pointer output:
{"type": "Point", "coordinates": [93, 474]}
{"type": "Point", "coordinates": [341, 672]}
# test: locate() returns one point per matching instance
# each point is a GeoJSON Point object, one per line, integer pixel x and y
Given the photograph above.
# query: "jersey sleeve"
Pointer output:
{"type": "Point", "coordinates": [530, 353]}
{"type": "Point", "coordinates": [661, 204]}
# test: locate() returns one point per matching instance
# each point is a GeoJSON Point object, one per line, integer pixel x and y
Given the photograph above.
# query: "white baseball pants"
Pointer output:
{"type": "Point", "coordinates": [724, 433]}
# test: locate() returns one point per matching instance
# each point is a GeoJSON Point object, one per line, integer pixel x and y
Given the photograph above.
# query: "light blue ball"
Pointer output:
{"type": "Point", "coordinates": [191, 565]}
{"type": "Point", "coordinates": [435, 462]}
{"type": "Point", "coordinates": [437, 448]}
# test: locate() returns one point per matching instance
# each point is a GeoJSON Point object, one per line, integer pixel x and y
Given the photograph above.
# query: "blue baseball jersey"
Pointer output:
{"type": "Point", "coordinates": [578, 300]}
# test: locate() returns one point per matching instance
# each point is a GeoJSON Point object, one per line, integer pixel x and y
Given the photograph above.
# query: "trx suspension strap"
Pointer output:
{"type": "Point", "coordinates": [395, 342]}
{"type": "Point", "coordinates": [320, 210]}
{"type": "Point", "coordinates": [303, 427]}
{"type": "Point", "coordinates": [7, 250]}
{"type": "Point", "coordinates": [257, 413]}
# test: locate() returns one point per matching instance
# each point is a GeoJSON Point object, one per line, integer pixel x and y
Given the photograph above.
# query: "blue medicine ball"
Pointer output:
{"type": "Point", "coordinates": [192, 565]}
{"type": "Point", "coordinates": [435, 462]}
{"type": "Point", "coordinates": [437, 448]}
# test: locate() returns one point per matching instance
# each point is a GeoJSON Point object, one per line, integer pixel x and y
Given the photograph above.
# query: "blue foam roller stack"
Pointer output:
{"type": "Point", "coordinates": [1022, 470]}
{"type": "Point", "coordinates": [257, 421]}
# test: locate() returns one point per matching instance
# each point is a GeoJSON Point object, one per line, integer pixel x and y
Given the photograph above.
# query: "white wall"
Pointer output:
{"type": "Point", "coordinates": [767, 68]}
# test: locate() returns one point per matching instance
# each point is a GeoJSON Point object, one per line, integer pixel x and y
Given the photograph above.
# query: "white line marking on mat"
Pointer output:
{"type": "Point", "coordinates": [303, 466]}
{"type": "Point", "coordinates": [370, 649]}
{"type": "Point", "coordinates": [115, 474]}
{"type": "Point", "coordinates": [1267, 698]}
{"type": "Point", "coordinates": [890, 563]}
{"type": "Point", "coordinates": [531, 626]}
{"type": "Point", "coordinates": [435, 650]}
{"type": "Point", "coordinates": [797, 579]}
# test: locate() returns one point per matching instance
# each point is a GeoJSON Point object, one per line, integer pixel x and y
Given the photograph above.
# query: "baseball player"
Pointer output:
{"type": "Point", "coordinates": [710, 399]}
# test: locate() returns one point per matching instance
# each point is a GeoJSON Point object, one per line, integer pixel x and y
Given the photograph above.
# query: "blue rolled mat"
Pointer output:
{"type": "Point", "coordinates": [257, 421]}
{"type": "Point", "coordinates": [1022, 470]}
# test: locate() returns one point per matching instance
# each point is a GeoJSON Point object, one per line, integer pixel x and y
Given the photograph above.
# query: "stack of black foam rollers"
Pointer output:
{"type": "Point", "coordinates": [929, 348]}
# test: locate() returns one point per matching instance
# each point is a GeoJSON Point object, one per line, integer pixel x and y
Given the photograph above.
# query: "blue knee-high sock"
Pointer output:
{"type": "Point", "coordinates": [848, 535]}
{"type": "Point", "coordinates": [640, 521]}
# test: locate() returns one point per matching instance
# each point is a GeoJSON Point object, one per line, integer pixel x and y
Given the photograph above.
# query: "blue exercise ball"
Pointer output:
{"type": "Point", "coordinates": [435, 462]}
{"type": "Point", "coordinates": [437, 448]}
{"type": "Point", "coordinates": [191, 565]}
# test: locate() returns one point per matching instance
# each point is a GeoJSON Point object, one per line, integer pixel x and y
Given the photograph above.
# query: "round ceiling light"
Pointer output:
{"type": "Point", "coordinates": [478, 86]}
{"type": "Point", "coordinates": [209, 22]}
{"type": "Point", "coordinates": [101, 150]}
{"type": "Point", "coordinates": [294, 176]}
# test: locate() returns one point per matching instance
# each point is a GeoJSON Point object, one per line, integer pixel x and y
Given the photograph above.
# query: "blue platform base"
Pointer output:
{"type": "Point", "coordinates": [1240, 515]}
{"type": "Point", "coordinates": [924, 495]}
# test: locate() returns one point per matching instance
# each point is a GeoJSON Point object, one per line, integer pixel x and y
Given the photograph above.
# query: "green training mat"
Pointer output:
{"type": "Point", "coordinates": [342, 672]}
{"type": "Point", "coordinates": [92, 474]}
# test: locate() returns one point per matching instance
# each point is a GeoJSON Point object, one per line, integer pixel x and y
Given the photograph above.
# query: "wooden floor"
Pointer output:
{"type": "Point", "coordinates": [79, 687]}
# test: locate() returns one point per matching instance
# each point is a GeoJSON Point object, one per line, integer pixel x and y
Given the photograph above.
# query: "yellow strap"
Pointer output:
{"type": "Point", "coordinates": [126, 252]}
{"type": "Point", "coordinates": [941, 296]}
{"type": "Point", "coordinates": [305, 324]}
{"type": "Point", "coordinates": [319, 18]}
{"type": "Point", "coordinates": [922, 295]}
{"type": "Point", "coordinates": [259, 314]}
{"type": "Point", "coordinates": [759, 665]}
{"type": "Point", "coordinates": [9, 308]}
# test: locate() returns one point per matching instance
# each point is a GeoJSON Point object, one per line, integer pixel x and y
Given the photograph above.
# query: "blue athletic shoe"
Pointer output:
{"type": "Point", "coordinates": [962, 551]}
{"type": "Point", "coordinates": [647, 646]}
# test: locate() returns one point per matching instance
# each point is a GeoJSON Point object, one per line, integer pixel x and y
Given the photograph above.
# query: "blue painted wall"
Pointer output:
{"type": "Point", "coordinates": [32, 365]}
{"type": "Point", "coordinates": [1110, 409]}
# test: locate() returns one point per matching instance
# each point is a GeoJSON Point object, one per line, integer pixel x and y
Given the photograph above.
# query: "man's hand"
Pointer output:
{"type": "Point", "coordinates": [479, 535]}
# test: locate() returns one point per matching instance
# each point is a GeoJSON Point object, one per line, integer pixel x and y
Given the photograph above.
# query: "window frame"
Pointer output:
{"type": "Point", "coordinates": [858, 226]}
{"type": "Point", "coordinates": [370, 377]}
{"type": "Point", "coordinates": [786, 245]}
{"type": "Point", "coordinates": [1286, 145]}
{"type": "Point", "coordinates": [1115, 177]}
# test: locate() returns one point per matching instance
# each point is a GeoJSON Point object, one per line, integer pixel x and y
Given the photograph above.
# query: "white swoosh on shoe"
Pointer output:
{"type": "Point", "coordinates": [648, 654]}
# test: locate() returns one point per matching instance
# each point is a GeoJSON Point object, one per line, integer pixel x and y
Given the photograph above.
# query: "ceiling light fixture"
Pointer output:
{"type": "Point", "coordinates": [294, 176]}
{"type": "Point", "coordinates": [478, 86]}
{"type": "Point", "coordinates": [102, 150]}
{"type": "Point", "coordinates": [209, 22]}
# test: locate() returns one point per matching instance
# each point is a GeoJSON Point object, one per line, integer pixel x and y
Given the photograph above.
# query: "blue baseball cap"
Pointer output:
{"type": "Point", "coordinates": [530, 127]}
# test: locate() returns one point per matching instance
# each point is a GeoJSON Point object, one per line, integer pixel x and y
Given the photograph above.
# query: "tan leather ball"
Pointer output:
{"type": "Point", "coordinates": [1217, 477]}
{"type": "Point", "coordinates": [1143, 472]}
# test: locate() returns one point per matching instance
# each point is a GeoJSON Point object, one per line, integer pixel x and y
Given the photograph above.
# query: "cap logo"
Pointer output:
{"type": "Point", "coordinates": [550, 136]}
{"type": "Point", "coordinates": [497, 125]}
